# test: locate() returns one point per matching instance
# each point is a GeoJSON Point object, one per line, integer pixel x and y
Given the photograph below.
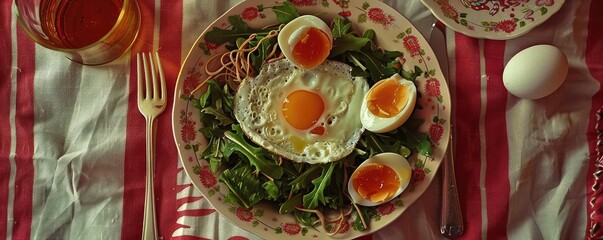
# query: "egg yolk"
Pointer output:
{"type": "Point", "coordinates": [312, 48]}
{"type": "Point", "coordinates": [387, 98]}
{"type": "Point", "coordinates": [302, 109]}
{"type": "Point", "coordinates": [375, 182]}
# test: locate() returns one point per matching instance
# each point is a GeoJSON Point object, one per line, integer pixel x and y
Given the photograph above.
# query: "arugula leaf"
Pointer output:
{"type": "Point", "coordinates": [289, 205]}
{"type": "Point", "coordinates": [272, 189]}
{"type": "Point", "coordinates": [211, 96]}
{"type": "Point", "coordinates": [303, 180]}
{"type": "Point", "coordinates": [347, 42]}
{"type": "Point", "coordinates": [312, 199]}
{"type": "Point", "coordinates": [340, 27]}
{"type": "Point", "coordinates": [240, 29]}
{"type": "Point", "coordinates": [419, 141]}
{"type": "Point", "coordinates": [259, 57]}
{"type": "Point", "coordinates": [228, 100]}
{"type": "Point", "coordinates": [215, 110]}
{"type": "Point", "coordinates": [367, 213]}
{"type": "Point", "coordinates": [245, 188]}
{"type": "Point", "coordinates": [411, 75]}
{"type": "Point", "coordinates": [213, 153]}
{"type": "Point", "coordinates": [369, 33]}
{"type": "Point", "coordinates": [376, 67]}
{"type": "Point", "coordinates": [222, 118]}
{"type": "Point", "coordinates": [256, 156]}
{"type": "Point", "coordinates": [305, 218]}
{"type": "Point", "coordinates": [285, 13]}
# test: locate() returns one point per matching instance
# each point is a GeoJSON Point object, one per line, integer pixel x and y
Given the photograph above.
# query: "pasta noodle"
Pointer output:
{"type": "Point", "coordinates": [235, 65]}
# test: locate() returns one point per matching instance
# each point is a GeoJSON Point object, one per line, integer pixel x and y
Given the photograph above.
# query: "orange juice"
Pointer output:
{"type": "Point", "coordinates": [91, 32]}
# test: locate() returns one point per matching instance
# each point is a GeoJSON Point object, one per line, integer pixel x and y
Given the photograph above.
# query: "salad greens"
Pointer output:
{"type": "Point", "coordinates": [253, 174]}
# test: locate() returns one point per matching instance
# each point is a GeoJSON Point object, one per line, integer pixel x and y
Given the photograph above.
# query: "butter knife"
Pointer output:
{"type": "Point", "coordinates": [451, 222]}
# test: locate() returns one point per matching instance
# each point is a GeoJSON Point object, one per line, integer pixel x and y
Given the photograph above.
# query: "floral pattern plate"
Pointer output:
{"type": "Point", "coordinates": [393, 32]}
{"type": "Point", "coordinates": [493, 19]}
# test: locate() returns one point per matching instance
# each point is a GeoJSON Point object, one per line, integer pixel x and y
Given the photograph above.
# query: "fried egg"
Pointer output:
{"type": "Point", "coordinates": [310, 116]}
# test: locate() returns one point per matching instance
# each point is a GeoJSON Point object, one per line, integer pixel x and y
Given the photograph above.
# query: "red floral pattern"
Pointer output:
{"type": "Point", "coordinates": [301, 3]}
{"type": "Point", "coordinates": [521, 14]}
{"type": "Point", "coordinates": [507, 26]}
{"type": "Point", "coordinates": [244, 214]}
{"type": "Point", "coordinates": [435, 132]}
{"type": "Point", "coordinates": [378, 16]}
{"type": "Point", "coordinates": [341, 3]}
{"type": "Point", "coordinates": [418, 175]}
{"type": "Point", "coordinates": [292, 228]}
{"type": "Point", "coordinates": [187, 132]}
{"type": "Point", "coordinates": [207, 177]}
{"type": "Point", "coordinates": [411, 44]}
{"type": "Point", "coordinates": [432, 87]}
{"type": "Point", "coordinates": [250, 13]}
{"type": "Point", "coordinates": [386, 208]}
{"type": "Point", "coordinates": [191, 81]}
{"type": "Point", "coordinates": [545, 2]}
{"type": "Point", "coordinates": [529, 14]}
{"type": "Point", "coordinates": [345, 13]}
{"type": "Point", "coordinates": [449, 11]}
{"type": "Point", "coordinates": [211, 45]}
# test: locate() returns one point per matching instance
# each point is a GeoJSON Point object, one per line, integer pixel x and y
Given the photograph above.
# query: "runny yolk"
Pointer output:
{"type": "Point", "coordinates": [312, 48]}
{"type": "Point", "coordinates": [387, 98]}
{"type": "Point", "coordinates": [302, 109]}
{"type": "Point", "coordinates": [375, 182]}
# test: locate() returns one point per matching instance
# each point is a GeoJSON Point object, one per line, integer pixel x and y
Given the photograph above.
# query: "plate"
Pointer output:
{"type": "Point", "coordinates": [393, 32]}
{"type": "Point", "coordinates": [493, 19]}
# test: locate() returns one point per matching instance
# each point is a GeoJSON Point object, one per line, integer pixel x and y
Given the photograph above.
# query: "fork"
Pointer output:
{"type": "Point", "coordinates": [451, 222]}
{"type": "Point", "coordinates": [152, 95]}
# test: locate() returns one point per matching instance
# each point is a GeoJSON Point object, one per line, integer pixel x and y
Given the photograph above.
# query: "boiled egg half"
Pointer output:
{"type": "Point", "coordinates": [379, 179]}
{"type": "Point", "coordinates": [388, 104]}
{"type": "Point", "coordinates": [306, 41]}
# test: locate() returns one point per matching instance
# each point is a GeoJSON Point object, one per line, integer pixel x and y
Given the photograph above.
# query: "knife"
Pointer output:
{"type": "Point", "coordinates": [451, 222]}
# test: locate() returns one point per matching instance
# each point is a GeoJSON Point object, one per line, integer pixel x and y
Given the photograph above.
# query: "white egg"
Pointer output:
{"type": "Point", "coordinates": [309, 116]}
{"type": "Point", "coordinates": [388, 104]}
{"type": "Point", "coordinates": [306, 41]}
{"type": "Point", "coordinates": [535, 72]}
{"type": "Point", "coordinates": [379, 179]}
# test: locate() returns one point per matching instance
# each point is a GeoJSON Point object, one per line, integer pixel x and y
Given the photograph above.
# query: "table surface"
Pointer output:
{"type": "Point", "coordinates": [72, 140]}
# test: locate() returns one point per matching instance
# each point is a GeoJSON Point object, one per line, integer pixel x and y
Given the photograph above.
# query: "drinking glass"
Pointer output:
{"type": "Point", "coordinates": [90, 32]}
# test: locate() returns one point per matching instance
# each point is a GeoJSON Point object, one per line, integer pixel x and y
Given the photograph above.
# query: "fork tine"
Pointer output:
{"type": "Point", "coordinates": [139, 71]}
{"type": "Point", "coordinates": [153, 76]}
{"type": "Point", "coordinates": [161, 77]}
{"type": "Point", "coordinates": [147, 78]}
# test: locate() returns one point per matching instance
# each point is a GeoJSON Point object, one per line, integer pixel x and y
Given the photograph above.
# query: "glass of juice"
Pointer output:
{"type": "Point", "coordinates": [90, 32]}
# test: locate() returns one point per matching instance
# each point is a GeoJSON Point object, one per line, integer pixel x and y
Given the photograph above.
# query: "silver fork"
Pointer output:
{"type": "Point", "coordinates": [152, 95]}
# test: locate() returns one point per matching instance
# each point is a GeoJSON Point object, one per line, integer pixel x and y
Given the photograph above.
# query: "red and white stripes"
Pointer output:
{"type": "Point", "coordinates": [7, 174]}
{"type": "Point", "coordinates": [160, 31]}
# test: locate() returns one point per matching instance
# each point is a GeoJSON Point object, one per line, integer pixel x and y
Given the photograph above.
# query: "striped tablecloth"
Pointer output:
{"type": "Point", "coordinates": [72, 139]}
